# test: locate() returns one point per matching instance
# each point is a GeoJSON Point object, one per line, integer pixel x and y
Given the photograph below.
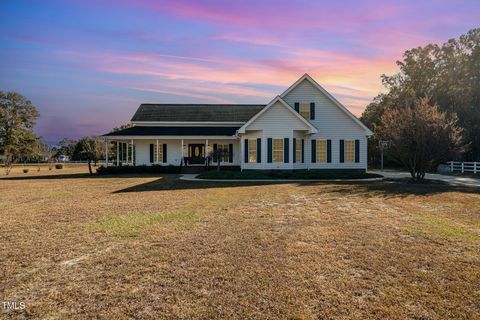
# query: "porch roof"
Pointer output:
{"type": "Point", "coordinates": [173, 131]}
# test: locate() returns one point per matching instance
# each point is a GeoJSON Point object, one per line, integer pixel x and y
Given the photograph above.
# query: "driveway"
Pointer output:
{"type": "Point", "coordinates": [453, 180]}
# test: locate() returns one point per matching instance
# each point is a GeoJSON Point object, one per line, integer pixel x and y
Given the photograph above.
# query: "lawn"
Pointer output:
{"type": "Point", "coordinates": [152, 246]}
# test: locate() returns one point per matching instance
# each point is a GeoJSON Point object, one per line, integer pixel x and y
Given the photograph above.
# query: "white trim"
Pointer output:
{"type": "Point", "coordinates": [312, 129]}
{"type": "Point", "coordinates": [332, 98]}
{"type": "Point", "coordinates": [186, 123]}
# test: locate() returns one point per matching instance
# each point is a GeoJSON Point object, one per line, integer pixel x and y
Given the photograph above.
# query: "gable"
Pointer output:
{"type": "Point", "coordinates": [277, 116]}
{"type": "Point", "coordinates": [331, 118]}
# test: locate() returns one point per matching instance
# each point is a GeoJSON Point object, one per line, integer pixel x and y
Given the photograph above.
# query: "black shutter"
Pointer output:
{"type": "Point", "coordinates": [230, 152]}
{"type": "Point", "coordinates": [294, 150]}
{"type": "Point", "coordinates": [329, 150]}
{"type": "Point", "coordinates": [259, 150]}
{"type": "Point", "coordinates": [246, 151]}
{"type": "Point", "coordinates": [215, 149]}
{"type": "Point", "coordinates": [151, 153]}
{"type": "Point", "coordinates": [164, 153]}
{"type": "Point", "coordinates": [303, 151]}
{"type": "Point", "coordinates": [312, 111]}
{"type": "Point", "coordinates": [297, 106]}
{"type": "Point", "coordinates": [342, 148]}
{"type": "Point", "coordinates": [314, 150]}
{"type": "Point", "coordinates": [357, 151]}
{"type": "Point", "coordinates": [285, 150]}
{"type": "Point", "coordinates": [269, 150]}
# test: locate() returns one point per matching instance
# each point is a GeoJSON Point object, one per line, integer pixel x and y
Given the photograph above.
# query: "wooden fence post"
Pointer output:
{"type": "Point", "coordinates": [475, 167]}
{"type": "Point", "coordinates": [463, 167]}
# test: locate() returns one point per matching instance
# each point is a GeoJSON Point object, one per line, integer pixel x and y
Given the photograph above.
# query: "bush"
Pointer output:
{"type": "Point", "coordinates": [59, 166]}
{"type": "Point", "coordinates": [102, 170]}
{"type": "Point", "coordinates": [25, 170]}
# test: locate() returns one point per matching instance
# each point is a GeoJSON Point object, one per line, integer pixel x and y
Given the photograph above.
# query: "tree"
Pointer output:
{"type": "Point", "coordinates": [86, 149]}
{"type": "Point", "coordinates": [66, 147]}
{"type": "Point", "coordinates": [422, 136]}
{"type": "Point", "coordinates": [219, 155]}
{"type": "Point", "coordinates": [449, 74]}
{"type": "Point", "coordinates": [17, 119]}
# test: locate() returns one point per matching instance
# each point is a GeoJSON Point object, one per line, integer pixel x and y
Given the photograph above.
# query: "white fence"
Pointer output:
{"type": "Point", "coordinates": [471, 167]}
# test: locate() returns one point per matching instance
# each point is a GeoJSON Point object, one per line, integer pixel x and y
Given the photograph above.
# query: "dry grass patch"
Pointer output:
{"type": "Point", "coordinates": [155, 247]}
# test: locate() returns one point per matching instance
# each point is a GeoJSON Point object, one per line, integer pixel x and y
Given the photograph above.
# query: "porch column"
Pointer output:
{"type": "Point", "coordinates": [181, 153]}
{"type": "Point", "coordinates": [242, 155]}
{"type": "Point", "coordinates": [106, 153]}
{"type": "Point", "coordinates": [132, 151]}
{"type": "Point", "coordinates": [126, 153]}
{"type": "Point", "coordinates": [118, 153]}
{"type": "Point", "coordinates": [156, 154]}
{"type": "Point", "coordinates": [206, 150]}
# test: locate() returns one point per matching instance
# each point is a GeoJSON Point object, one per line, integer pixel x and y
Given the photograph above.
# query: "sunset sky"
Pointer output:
{"type": "Point", "coordinates": [87, 65]}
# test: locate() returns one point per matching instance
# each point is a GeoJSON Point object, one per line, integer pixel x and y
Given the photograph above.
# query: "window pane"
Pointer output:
{"type": "Point", "coordinates": [305, 110]}
{"type": "Point", "coordinates": [321, 150]}
{"type": "Point", "coordinates": [277, 150]}
{"type": "Point", "coordinates": [298, 150]}
{"type": "Point", "coordinates": [349, 150]}
{"type": "Point", "coordinates": [252, 150]}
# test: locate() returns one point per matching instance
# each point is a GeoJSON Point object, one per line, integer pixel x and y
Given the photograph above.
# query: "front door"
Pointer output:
{"type": "Point", "coordinates": [196, 153]}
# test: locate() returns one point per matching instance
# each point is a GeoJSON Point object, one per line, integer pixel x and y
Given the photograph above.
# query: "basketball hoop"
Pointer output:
{"type": "Point", "coordinates": [383, 145]}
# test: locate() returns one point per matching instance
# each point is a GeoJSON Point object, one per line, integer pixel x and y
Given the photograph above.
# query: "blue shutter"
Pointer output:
{"type": "Point", "coordinates": [164, 160]}
{"type": "Point", "coordinates": [314, 150]}
{"type": "Point", "coordinates": [294, 159]}
{"type": "Point", "coordinates": [312, 111]}
{"type": "Point", "coordinates": [230, 152]}
{"type": "Point", "coordinates": [259, 150]}
{"type": "Point", "coordinates": [215, 148]}
{"type": "Point", "coordinates": [342, 148]}
{"type": "Point", "coordinates": [151, 153]}
{"type": "Point", "coordinates": [357, 151]}
{"type": "Point", "coordinates": [285, 150]}
{"type": "Point", "coordinates": [303, 151]}
{"type": "Point", "coordinates": [297, 106]}
{"type": "Point", "coordinates": [246, 151]}
{"type": "Point", "coordinates": [329, 150]}
{"type": "Point", "coordinates": [269, 150]}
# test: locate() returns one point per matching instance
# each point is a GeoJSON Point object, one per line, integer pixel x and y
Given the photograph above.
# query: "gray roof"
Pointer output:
{"type": "Point", "coordinates": [174, 131]}
{"type": "Point", "coordinates": [197, 112]}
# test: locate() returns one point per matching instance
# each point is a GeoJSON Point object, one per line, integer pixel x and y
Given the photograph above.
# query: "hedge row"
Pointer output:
{"type": "Point", "coordinates": [138, 169]}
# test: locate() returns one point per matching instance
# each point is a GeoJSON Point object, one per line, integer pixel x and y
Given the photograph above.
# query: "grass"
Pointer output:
{"type": "Point", "coordinates": [294, 175]}
{"type": "Point", "coordinates": [155, 247]}
{"type": "Point", "coordinates": [130, 224]}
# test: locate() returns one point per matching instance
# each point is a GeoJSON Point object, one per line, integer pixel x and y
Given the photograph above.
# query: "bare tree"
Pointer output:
{"type": "Point", "coordinates": [422, 136]}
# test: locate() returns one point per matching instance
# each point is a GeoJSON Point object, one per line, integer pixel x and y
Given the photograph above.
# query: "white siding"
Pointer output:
{"type": "Point", "coordinates": [174, 150]}
{"type": "Point", "coordinates": [331, 123]}
{"type": "Point", "coordinates": [276, 122]}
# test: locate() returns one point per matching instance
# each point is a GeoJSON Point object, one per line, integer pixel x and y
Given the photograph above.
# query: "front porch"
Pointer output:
{"type": "Point", "coordinates": [185, 152]}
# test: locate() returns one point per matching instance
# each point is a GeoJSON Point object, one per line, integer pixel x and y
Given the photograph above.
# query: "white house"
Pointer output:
{"type": "Point", "coordinates": [303, 128]}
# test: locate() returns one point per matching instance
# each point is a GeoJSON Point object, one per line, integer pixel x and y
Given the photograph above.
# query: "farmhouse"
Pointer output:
{"type": "Point", "coordinates": [303, 128]}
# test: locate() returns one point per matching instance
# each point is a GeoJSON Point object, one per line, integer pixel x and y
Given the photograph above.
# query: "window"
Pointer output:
{"type": "Point", "coordinates": [222, 150]}
{"type": "Point", "coordinates": [349, 150]}
{"type": "Point", "coordinates": [305, 110]}
{"type": "Point", "coordinates": [252, 150]}
{"type": "Point", "coordinates": [277, 150]}
{"type": "Point", "coordinates": [321, 150]}
{"type": "Point", "coordinates": [158, 158]}
{"type": "Point", "coordinates": [298, 150]}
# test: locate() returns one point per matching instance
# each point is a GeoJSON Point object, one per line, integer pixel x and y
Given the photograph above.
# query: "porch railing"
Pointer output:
{"type": "Point", "coordinates": [470, 167]}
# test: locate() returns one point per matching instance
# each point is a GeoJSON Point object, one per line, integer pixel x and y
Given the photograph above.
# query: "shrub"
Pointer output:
{"type": "Point", "coordinates": [25, 170]}
{"type": "Point", "coordinates": [59, 166]}
{"type": "Point", "coordinates": [102, 170]}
